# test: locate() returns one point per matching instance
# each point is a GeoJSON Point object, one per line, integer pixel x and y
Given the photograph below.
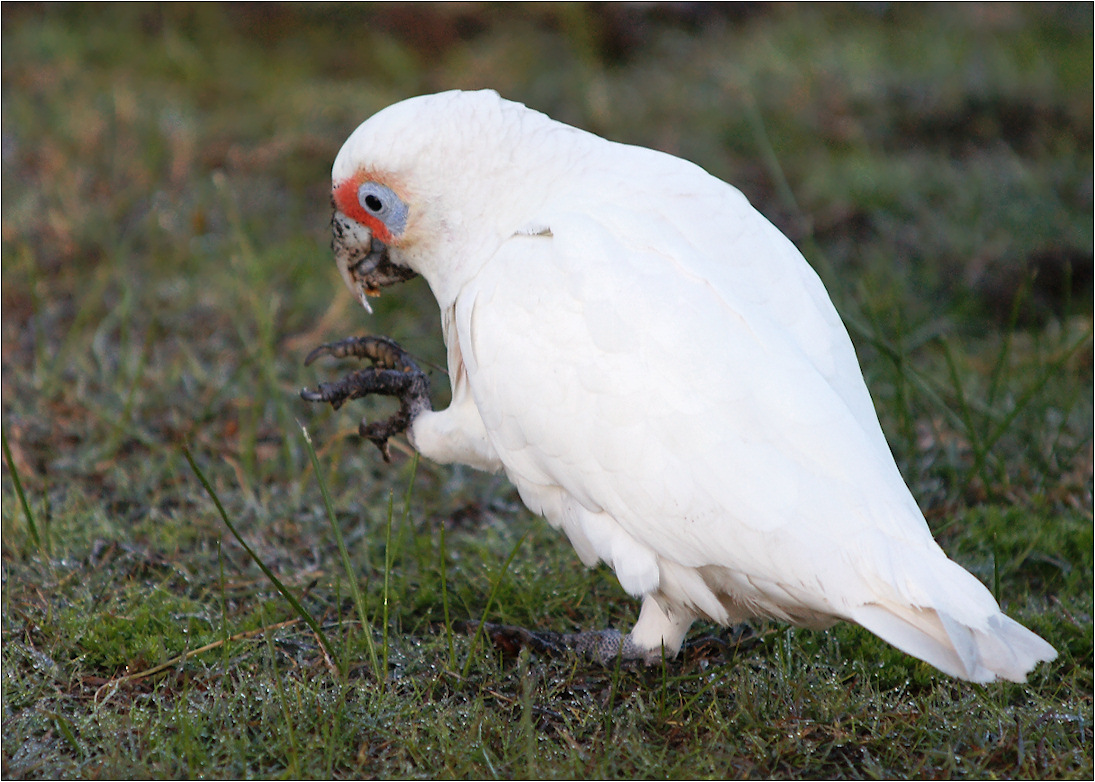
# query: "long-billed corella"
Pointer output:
{"type": "Point", "coordinates": [658, 371]}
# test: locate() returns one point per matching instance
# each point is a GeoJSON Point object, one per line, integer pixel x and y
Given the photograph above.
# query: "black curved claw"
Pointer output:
{"type": "Point", "coordinates": [380, 351]}
{"type": "Point", "coordinates": [393, 373]}
{"type": "Point", "coordinates": [308, 395]}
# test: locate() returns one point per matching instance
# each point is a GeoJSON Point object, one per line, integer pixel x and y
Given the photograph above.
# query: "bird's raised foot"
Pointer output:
{"type": "Point", "coordinates": [393, 373]}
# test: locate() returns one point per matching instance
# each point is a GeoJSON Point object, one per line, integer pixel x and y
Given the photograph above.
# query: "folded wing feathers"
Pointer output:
{"type": "Point", "coordinates": [732, 465]}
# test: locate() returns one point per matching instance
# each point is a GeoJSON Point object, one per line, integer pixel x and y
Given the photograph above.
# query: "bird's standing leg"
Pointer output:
{"type": "Point", "coordinates": [654, 632]}
{"type": "Point", "coordinates": [393, 373]}
{"type": "Point", "coordinates": [605, 646]}
{"type": "Point", "coordinates": [601, 646]}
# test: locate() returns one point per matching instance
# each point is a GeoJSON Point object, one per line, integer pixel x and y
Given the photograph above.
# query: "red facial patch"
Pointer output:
{"type": "Point", "coordinates": [345, 195]}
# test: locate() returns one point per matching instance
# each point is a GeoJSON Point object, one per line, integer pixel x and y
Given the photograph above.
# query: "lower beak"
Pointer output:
{"type": "Point", "coordinates": [363, 260]}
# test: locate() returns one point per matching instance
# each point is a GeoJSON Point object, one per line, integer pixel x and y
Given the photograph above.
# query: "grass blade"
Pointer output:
{"type": "Point", "coordinates": [998, 367]}
{"type": "Point", "coordinates": [279, 687]}
{"type": "Point", "coordinates": [1049, 371]}
{"type": "Point", "coordinates": [67, 730]}
{"type": "Point", "coordinates": [613, 689]}
{"type": "Point", "coordinates": [31, 525]}
{"type": "Point", "coordinates": [445, 600]}
{"type": "Point", "coordinates": [410, 488]}
{"type": "Point", "coordinates": [965, 411]}
{"type": "Point", "coordinates": [985, 445]}
{"type": "Point", "coordinates": [995, 570]}
{"type": "Point", "coordinates": [490, 601]}
{"type": "Point", "coordinates": [301, 611]}
{"type": "Point", "coordinates": [344, 554]}
{"type": "Point", "coordinates": [387, 578]}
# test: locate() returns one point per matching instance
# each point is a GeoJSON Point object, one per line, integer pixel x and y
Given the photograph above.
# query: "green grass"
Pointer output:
{"type": "Point", "coordinates": [166, 269]}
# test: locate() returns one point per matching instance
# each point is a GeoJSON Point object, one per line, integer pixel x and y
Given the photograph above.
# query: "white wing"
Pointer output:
{"type": "Point", "coordinates": [691, 404]}
{"type": "Point", "coordinates": [704, 414]}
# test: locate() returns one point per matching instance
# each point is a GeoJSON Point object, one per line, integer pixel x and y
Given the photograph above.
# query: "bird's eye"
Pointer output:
{"type": "Point", "coordinates": [382, 203]}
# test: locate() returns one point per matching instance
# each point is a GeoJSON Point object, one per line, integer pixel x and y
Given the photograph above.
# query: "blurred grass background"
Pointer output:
{"type": "Point", "coordinates": [165, 217]}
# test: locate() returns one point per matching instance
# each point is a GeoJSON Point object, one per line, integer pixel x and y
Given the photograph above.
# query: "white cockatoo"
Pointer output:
{"type": "Point", "coordinates": [658, 371]}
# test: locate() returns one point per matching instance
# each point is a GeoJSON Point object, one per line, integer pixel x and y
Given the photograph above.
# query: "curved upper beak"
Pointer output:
{"type": "Point", "coordinates": [363, 260]}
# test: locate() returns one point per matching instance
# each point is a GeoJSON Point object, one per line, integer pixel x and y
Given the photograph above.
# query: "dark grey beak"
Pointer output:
{"type": "Point", "coordinates": [363, 260]}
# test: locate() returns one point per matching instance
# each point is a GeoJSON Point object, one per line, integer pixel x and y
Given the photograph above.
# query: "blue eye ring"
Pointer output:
{"type": "Point", "coordinates": [381, 202]}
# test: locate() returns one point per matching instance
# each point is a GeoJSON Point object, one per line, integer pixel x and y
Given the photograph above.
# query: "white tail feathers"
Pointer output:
{"type": "Point", "coordinates": [1002, 649]}
{"type": "Point", "coordinates": [961, 630]}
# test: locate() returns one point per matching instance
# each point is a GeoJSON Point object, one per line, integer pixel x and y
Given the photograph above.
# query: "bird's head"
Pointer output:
{"type": "Point", "coordinates": [401, 185]}
{"type": "Point", "coordinates": [431, 185]}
